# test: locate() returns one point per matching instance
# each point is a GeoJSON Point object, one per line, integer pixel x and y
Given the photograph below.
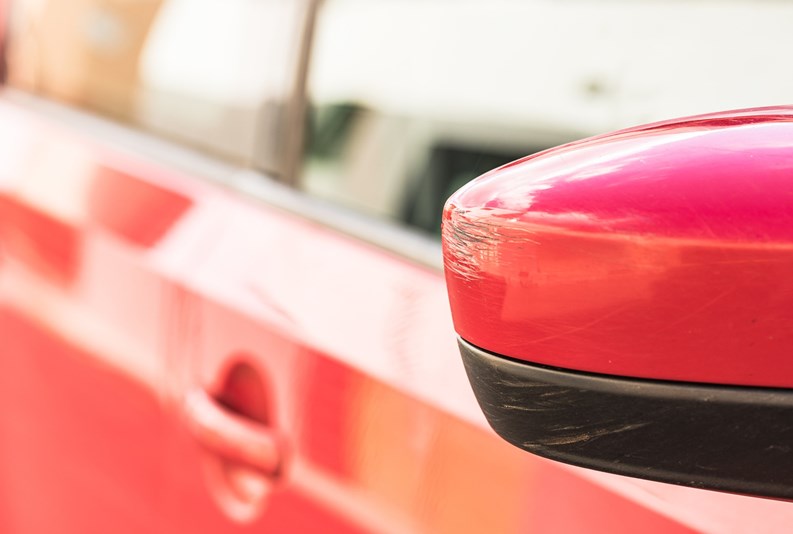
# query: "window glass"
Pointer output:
{"type": "Point", "coordinates": [412, 99]}
{"type": "Point", "coordinates": [209, 73]}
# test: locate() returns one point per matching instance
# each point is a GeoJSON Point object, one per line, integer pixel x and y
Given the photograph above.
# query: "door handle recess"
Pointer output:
{"type": "Point", "coordinates": [232, 436]}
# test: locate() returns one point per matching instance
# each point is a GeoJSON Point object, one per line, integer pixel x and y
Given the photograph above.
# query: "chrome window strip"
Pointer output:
{"type": "Point", "coordinates": [389, 236]}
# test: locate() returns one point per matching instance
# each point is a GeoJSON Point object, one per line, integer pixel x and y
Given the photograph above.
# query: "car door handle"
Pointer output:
{"type": "Point", "coordinates": [232, 436]}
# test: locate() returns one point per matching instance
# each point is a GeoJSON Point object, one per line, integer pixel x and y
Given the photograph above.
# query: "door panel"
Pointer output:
{"type": "Point", "coordinates": [83, 368]}
{"type": "Point", "coordinates": [82, 443]}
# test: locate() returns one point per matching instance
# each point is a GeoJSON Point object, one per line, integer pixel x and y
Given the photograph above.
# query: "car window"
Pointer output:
{"type": "Point", "coordinates": [383, 136]}
{"type": "Point", "coordinates": [409, 100]}
{"type": "Point", "coordinates": [210, 74]}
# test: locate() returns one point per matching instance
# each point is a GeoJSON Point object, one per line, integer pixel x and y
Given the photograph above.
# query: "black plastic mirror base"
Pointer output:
{"type": "Point", "coordinates": [726, 438]}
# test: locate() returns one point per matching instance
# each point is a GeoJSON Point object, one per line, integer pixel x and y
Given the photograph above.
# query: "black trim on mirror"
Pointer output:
{"type": "Point", "coordinates": [727, 438]}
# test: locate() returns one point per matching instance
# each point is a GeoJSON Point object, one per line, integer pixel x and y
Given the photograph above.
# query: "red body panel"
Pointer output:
{"type": "Point", "coordinates": [124, 286]}
{"type": "Point", "coordinates": [660, 252]}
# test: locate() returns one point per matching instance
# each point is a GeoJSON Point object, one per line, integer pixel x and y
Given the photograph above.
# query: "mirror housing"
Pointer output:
{"type": "Point", "coordinates": [625, 302]}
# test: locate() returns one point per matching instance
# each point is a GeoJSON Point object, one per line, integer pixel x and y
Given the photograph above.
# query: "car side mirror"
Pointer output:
{"type": "Point", "coordinates": [625, 302]}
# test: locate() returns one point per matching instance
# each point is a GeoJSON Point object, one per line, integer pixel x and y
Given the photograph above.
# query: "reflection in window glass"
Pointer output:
{"type": "Point", "coordinates": [412, 99]}
{"type": "Point", "coordinates": [204, 72]}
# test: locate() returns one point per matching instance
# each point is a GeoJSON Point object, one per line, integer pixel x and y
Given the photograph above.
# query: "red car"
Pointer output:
{"type": "Point", "coordinates": [222, 303]}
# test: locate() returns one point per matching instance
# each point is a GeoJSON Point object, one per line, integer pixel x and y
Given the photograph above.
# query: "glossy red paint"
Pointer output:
{"type": "Point", "coordinates": [662, 251]}
{"type": "Point", "coordinates": [347, 353]}
{"type": "Point", "coordinates": [49, 245]}
{"type": "Point", "coordinates": [116, 198]}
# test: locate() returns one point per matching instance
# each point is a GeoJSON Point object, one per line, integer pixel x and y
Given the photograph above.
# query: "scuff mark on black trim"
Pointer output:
{"type": "Point", "coordinates": [727, 438]}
